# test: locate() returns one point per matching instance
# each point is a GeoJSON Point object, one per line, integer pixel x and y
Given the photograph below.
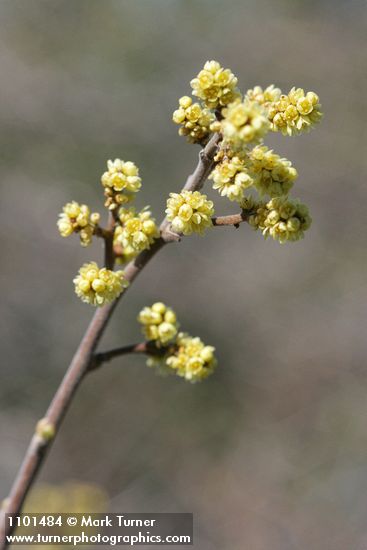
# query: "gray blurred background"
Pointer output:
{"type": "Point", "coordinates": [271, 452]}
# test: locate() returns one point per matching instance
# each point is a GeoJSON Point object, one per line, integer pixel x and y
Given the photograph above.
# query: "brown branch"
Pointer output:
{"type": "Point", "coordinates": [233, 219]}
{"type": "Point", "coordinates": [107, 236]}
{"type": "Point", "coordinates": [148, 348]}
{"type": "Point", "coordinates": [83, 358]}
{"type": "Point", "coordinates": [195, 181]}
{"type": "Point", "coordinates": [109, 255]}
{"type": "Point", "coordinates": [101, 232]}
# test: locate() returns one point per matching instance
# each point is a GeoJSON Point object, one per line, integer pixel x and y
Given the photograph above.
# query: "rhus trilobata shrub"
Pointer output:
{"type": "Point", "coordinates": [230, 126]}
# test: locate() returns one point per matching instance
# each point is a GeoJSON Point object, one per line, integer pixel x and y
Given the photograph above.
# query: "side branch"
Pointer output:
{"type": "Point", "coordinates": [233, 219]}
{"type": "Point", "coordinates": [109, 257]}
{"type": "Point", "coordinates": [148, 348]}
{"type": "Point", "coordinates": [107, 236]}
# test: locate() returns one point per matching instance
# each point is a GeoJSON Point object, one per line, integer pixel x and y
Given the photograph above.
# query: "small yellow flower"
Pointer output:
{"type": "Point", "coordinates": [295, 113]}
{"type": "Point", "coordinates": [76, 218]}
{"type": "Point", "coordinates": [121, 182]}
{"type": "Point", "coordinates": [243, 123]}
{"type": "Point", "coordinates": [195, 120]}
{"type": "Point", "coordinates": [230, 175]}
{"type": "Point", "coordinates": [264, 97]}
{"type": "Point", "coordinates": [137, 232]}
{"type": "Point", "coordinates": [97, 286]}
{"type": "Point", "coordinates": [192, 360]}
{"type": "Point", "coordinates": [216, 86]}
{"type": "Point", "coordinates": [189, 212]}
{"type": "Point", "coordinates": [273, 176]}
{"type": "Point", "coordinates": [159, 323]}
{"type": "Point", "coordinates": [281, 218]}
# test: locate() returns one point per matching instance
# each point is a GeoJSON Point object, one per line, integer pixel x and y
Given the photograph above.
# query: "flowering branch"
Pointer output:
{"type": "Point", "coordinates": [47, 428]}
{"type": "Point", "coordinates": [232, 126]}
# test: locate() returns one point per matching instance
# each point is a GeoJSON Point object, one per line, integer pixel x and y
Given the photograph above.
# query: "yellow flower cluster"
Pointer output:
{"type": "Point", "coordinates": [188, 358]}
{"type": "Point", "coordinates": [230, 175]}
{"type": "Point", "coordinates": [120, 181]}
{"type": "Point", "coordinates": [97, 286]}
{"type": "Point", "coordinates": [195, 120]}
{"type": "Point", "coordinates": [261, 168]}
{"type": "Point", "coordinates": [189, 212]}
{"type": "Point", "coordinates": [159, 323]}
{"type": "Point", "coordinates": [295, 113]}
{"type": "Point", "coordinates": [137, 232]}
{"type": "Point", "coordinates": [216, 86]}
{"type": "Point", "coordinates": [76, 218]}
{"type": "Point", "coordinates": [273, 176]}
{"type": "Point", "coordinates": [281, 218]}
{"type": "Point", "coordinates": [264, 97]}
{"type": "Point", "coordinates": [175, 353]}
{"type": "Point", "coordinates": [192, 360]}
{"type": "Point", "coordinates": [243, 123]}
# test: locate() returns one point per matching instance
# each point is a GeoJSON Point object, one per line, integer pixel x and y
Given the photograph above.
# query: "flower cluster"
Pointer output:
{"type": "Point", "coordinates": [295, 113]}
{"type": "Point", "coordinates": [159, 323]}
{"type": "Point", "coordinates": [216, 86]}
{"type": "Point", "coordinates": [189, 212]}
{"type": "Point", "coordinates": [135, 231]}
{"type": "Point", "coordinates": [192, 360]}
{"type": "Point", "coordinates": [97, 286]}
{"type": "Point", "coordinates": [121, 182]}
{"type": "Point", "coordinates": [76, 218]}
{"type": "Point", "coordinates": [243, 123]}
{"type": "Point", "coordinates": [273, 176]}
{"type": "Point", "coordinates": [195, 120]}
{"type": "Point", "coordinates": [129, 233]}
{"type": "Point", "coordinates": [175, 353]}
{"type": "Point", "coordinates": [281, 218]}
{"type": "Point", "coordinates": [243, 162]}
{"type": "Point", "coordinates": [230, 175]}
{"type": "Point", "coordinates": [264, 97]}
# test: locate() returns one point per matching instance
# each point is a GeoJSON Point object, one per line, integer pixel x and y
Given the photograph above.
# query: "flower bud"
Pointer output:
{"type": "Point", "coordinates": [159, 323]}
{"type": "Point", "coordinates": [45, 429]}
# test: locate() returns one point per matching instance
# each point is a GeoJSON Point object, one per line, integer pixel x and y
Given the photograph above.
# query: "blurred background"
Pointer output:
{"type": "Point", "coordinates": [271, 451]}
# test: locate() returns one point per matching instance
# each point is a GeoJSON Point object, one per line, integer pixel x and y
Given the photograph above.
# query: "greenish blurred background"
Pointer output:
{"type": "Point", "coordinates": [271, 451]}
